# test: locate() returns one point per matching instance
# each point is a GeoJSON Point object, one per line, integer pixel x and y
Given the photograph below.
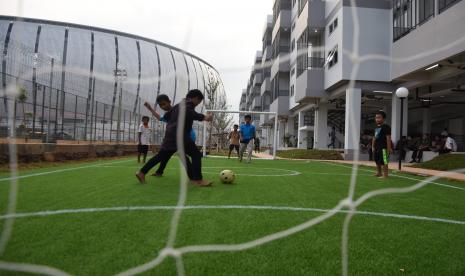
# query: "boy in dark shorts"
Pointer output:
{"type": "Point", "coordinates": [234, 141]}
{"type": "Point", "coordinates": [143, 139]}
{"type": "Point", "coordinates": [382, 145]}
{"type": "Point", "coordinates": [164, 103]}
{"type": "Point", "coordinates": [169, 146]}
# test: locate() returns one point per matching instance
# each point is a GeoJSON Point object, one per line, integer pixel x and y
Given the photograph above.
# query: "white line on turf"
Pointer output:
{"type": "Point", "coordinates": [289, 172]}
{"type": "Point", "coordinates": [222, 207]}
{"type": "Point", "coordinates": [31, 268]}
{"type": "Point", "coordinates": [58, 171]}
{"type": "Point", "coordinates": [398, 176]}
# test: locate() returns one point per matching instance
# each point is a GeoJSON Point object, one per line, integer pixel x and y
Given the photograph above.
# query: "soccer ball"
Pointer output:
{"type": "Point", "coordinates": [227, 177]}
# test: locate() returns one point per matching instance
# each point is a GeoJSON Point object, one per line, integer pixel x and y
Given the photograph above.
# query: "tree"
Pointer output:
{"type": "Point", "coordinates": [22, 98]}
{"type": "Point", "coordinates": [216, 101]}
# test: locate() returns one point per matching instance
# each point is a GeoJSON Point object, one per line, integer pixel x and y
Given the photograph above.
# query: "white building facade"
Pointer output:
{"type": "Point", "coordinates": [328, 64]}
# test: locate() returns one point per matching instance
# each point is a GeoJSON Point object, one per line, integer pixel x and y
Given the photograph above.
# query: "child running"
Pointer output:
{"type": "Point", "coordinates": [169, 146]}
{"type": "Point", "coordinates": [247, 135]}
{"type": "Point", "coordinates": [234, 141]}
{"type": "Point", "coordinates": [143, 139]}
{"type": "Point", "coordinates": [164, 103]}
{"type": "Point", "coordinates": [382, 145]}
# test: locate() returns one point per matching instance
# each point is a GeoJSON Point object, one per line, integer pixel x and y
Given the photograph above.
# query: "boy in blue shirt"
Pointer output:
{"type": "Point", "coordinates": [165, 104]}
{"type": "Point", "coordinates": [247, 137]}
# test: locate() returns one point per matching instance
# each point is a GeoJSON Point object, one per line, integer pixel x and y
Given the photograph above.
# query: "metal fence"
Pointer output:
{"type": "Point", "coordinates": [49, 114]}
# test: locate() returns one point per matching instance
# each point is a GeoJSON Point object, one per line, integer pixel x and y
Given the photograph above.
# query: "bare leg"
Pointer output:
{"type": "Point", "coordinates": [378, 171]}
{"type": "Point", "coordinates": [386, 171]}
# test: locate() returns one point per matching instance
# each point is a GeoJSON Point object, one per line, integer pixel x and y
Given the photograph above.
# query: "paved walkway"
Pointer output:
{"type": "Point", "coordinates": [392, 166]}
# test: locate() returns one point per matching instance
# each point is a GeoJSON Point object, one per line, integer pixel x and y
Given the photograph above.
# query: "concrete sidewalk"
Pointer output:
{"type": "Point", "coordinates": [392, 166]}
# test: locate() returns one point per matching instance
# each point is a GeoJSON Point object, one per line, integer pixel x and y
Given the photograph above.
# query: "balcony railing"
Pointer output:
{"type": "Point", "coordinates": [407, 15]}
{"type": "Point", "coordinates": [309, 63]}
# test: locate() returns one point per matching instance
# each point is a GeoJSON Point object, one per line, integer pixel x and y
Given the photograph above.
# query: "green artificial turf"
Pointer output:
{"type": "Point", "coordinates": [445, 162]}
{"type": "Point", "coordinates": [310, 154]}
{"type": "Point", "coordinates": [105, 243]}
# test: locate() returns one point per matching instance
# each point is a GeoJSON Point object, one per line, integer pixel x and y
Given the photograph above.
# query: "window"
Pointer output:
{"type": "Point", "coordinates": [293, 71]}
{"type": "Point", "coordinates": [332, 26]}
{"type": "Point", "coordinates": [292, 91]}
{"type": "Point", "coordinates": [445, 4]}
{"type": "Point", "coordinates": [332, 58]}
{"type": "Point", "coordinates": [408, 14]}
{"type": "Point", "coordinates": [309, 55]}
{"type": "Point", "coordinates": [293, 45]}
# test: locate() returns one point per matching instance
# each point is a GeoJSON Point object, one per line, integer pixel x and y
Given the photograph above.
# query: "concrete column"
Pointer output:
{"type": "Point", "coordinates": [281, 134]}
{"type": "Point", "coordinates": [321, 127]}
{"type": "Point", "coordinates": [426, 121]}
{"type": "Point", "coordinates": [395, 121]}
{"type": "Point", "coordinates": [352, 121]}
{"type": "Point", "coordinates": [301, 135]}
{"type": "Point", "coordinates": [290, 126]}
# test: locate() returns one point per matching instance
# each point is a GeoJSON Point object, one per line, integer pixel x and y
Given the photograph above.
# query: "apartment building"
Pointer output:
{"type": "Point", "coordinates": [332, 64]}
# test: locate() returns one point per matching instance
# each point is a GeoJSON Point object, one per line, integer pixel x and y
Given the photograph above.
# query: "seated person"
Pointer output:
{"type": "Point", "coordinates": [424, 145]}
{"type": "Point", "coordinates": [437, 144]}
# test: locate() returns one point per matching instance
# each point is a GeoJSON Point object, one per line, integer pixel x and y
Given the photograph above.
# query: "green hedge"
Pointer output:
{"type": "Point", "coordinates": [444, 162]}
{"type": "Point", "coordinates": [310, 154]}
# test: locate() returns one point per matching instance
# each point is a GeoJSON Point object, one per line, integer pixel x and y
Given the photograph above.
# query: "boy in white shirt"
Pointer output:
{"type": "Point", "coordinates": [143, 139]}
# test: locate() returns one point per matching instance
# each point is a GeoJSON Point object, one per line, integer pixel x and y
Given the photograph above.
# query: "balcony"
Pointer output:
{"type": "Point", "coordinates": [242, 106]}
{"type": "Point", "coordinates": [267, 52]}
{"type": "Point", "coordinates": [310, 84]}
{"type": "Point", "coordinates": [258, 79]}
{"type": "Point", "coordinates": [280, 64]}
{"type": "Point", "coordinates": [280, 105]}
{"type": "Point", "coordinates": [255, 92]}
{"type": "Point", "coordinates": [265, 120]}
{"type": "Point", "coordinates": [312, 14]}
{"type": "Point", "coordinates": [257, 103]}
{"type": "Point", "coordinates": [282, 22]}
{"type": "Point", "coordinates": [266, 86]}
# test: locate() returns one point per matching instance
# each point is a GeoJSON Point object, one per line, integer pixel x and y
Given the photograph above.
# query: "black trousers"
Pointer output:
{"type": "Point", "coordinates": [193, 166]}
{"type": "Point", "coordinates": [162, 157]}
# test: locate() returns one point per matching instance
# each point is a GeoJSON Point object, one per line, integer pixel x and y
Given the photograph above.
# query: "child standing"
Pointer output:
{"type": "Point", "coordinates": [382, 145]}
{"type": "Point", "coordinates": [247, 135]}
{"type": "Point", "coordinates": [169, 146]}
{"type": "Point", "coordinates": [143, 139]}
{"type": "Point", "coordinates": [234, 141]}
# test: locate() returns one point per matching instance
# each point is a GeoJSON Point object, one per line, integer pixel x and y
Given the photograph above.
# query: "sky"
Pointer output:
{"type": "Point", "coordinates": [225, 33]}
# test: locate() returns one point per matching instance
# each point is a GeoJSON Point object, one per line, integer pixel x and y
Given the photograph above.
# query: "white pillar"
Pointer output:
{"type": "Point", "coordinates": [395, 121]}
{"type": "Point", "coordinates": [352, 121]}
{"type": "Point", "coordinates": [290, 125]}
{"type": "Point", "coordinates": [282, 133]}
{"type": "Point", "coordinates": [426, 121]}
{"type": "Point", "coordinates": [301, 134]}
{"type": "Point", "coordinates": [321, 127]}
